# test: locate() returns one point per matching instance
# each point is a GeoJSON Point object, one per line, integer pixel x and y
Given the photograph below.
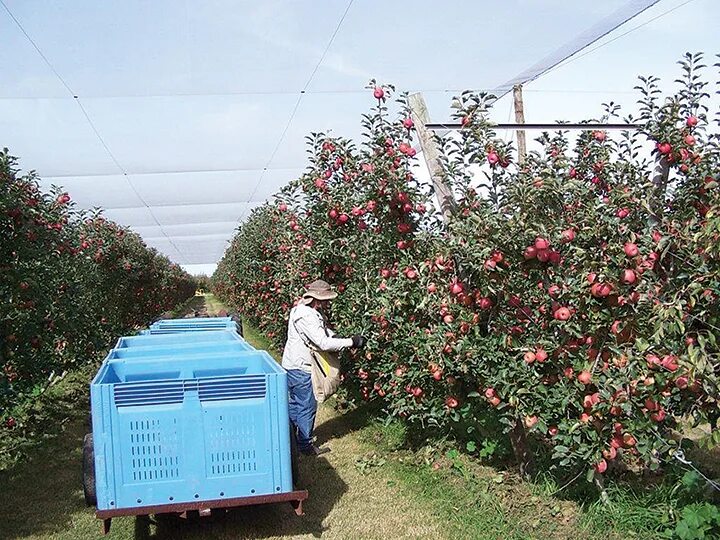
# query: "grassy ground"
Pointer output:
{"type": "Point", "coordinates": [367, 487]}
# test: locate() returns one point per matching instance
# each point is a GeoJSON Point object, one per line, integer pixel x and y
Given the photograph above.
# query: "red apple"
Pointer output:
{"type": "Point", "coordinates": [378, 92]}
{"type": "Point", "coordinates": [541, 243]}
{"type": "Point", "coordinates": [568, 235]}
{"type": "Point", "coordinates": [601, 466]}
{"type": "Point", "coordinates": [631, 250]}
{"type": "Point", "coordinates": [585, 377]}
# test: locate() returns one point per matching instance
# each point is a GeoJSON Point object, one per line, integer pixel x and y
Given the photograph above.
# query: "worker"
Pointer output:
{"type": "Point", "coordinates": [308, 327]}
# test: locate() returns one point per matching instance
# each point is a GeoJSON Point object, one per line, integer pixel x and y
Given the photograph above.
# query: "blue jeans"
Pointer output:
{"type": "Point", "coordinates": [302, 406]}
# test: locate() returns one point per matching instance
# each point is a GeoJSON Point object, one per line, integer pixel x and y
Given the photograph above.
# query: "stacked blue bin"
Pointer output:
{"type": "Point", "coordinates": [171, 326]}
{"type": "Point", "coordinates": [184, 416]}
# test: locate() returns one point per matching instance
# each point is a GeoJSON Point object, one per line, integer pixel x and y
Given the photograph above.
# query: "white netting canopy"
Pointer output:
{"type": "Point", "coordinates": [178, 118]}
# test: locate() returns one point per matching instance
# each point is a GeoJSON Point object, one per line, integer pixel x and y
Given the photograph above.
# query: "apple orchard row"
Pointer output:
{"type": "Point", "coordinates": [573, 298]}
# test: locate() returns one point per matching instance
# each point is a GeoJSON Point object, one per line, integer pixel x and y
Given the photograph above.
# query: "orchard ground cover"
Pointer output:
{"type": "Point", "coordinates": [567, 313]}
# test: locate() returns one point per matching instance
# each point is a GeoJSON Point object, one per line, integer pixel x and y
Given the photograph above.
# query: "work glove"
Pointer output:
{"type": "Point", "coordinates": [358, 341]}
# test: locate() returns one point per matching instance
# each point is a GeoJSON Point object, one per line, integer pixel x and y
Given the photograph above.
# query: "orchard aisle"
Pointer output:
{"type": "Point", "coordinates": [344, 502]}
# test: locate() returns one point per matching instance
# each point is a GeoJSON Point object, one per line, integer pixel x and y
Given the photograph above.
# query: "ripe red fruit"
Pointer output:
{"type": "Point", "coordinates": [10, 422]}
{"type": "Point", "coordinates": [494, 401]}
{"type": "Point", "coordinates": [320, 183]}
{"type": "Point", "coordinates": [664, 148]}
{"type": "Point", "coordinates": [601, 466]}
{"type": "Point", "coordinates": [554, 290]}
{"type": "Point", "coordinates": [404, 228]}
{"type": "Point", "coordinates": [622, 213]}
{"type": "Point", "coordinates": [543, 255]}
{"type": "Point", "coordinates": [371, 205]}
{"type": "Point", "coordinates": [403, 244]}
{"type": "Point", "coordinates": [670, 362]}
{"type": "Point", "coordinates": [485, 303]}
{"type": "Point", "coordinates": [410, 273]}
{"type": "Point", "coordinates": [610, 453]}
{"type": "Point", "coordinates": [628, 439]}
{"type": "Point", "coordinates": [492, 158]}
{"type": "Point", "coordinates": [378, 92]}
{"type": "Point", "coordinates": [530, 421]}
{"type": "Point", "coordinates": [408, 123]}
{"type": "Point", "coordinates": [456, 288]}
{"type": "Point", "coordinates": [417, 391]}
{"type": "Point", "coordinates": [599, 135]}
{"type": "Point", "coordinates": [689, 140]}
{"type": "Point", "coordinates": [691, 121]}
{"type": "Point", "coordinates": [497, 256]}
{"type": "Point", "coordinates": [451, 402]}
{"type": "Point", "coordinates": [530, 252]}
{"type": "Point", "coordinates": [541, 243]}
{"type": "Point", "coordinates": [553, 430]}
{"type": "Point", "coordinates": [584, 418]}
{"type": "Point", "coordinates": [585, 377]}
{"type": "Point", "coordinates": [681, 382]}
{"type": "Point", "coordinates": [437, 374]}
{"type": "Point", "coordinates": [541, 355]}
{"type": "Point", "coordinates": [568, 235]}
{"type": "Point", "coordinates": [631, 250]}
{"type": "Point", "coordinates": [658, 416]}
{"type": "Point", "coordinates": [628, 276]}
{"type": "Point", "coordinates": [282, 207]}
{"type": "Point", "coordinates": [562, 314]}
{"type": "Point", "coordinates": [490, 393]}
{"type": "Point", "coordinates": [529, 357]}
{"type": "Point", "coordinates": [431, 288]}
{"type": "Point", "coordinates": [568, 372]}
{"type": "Point", "coordinates": [490, 265]}
{"type": "Point", "coordinates": [448, 319]}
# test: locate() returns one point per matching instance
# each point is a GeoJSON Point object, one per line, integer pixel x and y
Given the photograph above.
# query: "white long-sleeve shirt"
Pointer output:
{"type": "Point", "coordinates": [306, 325]}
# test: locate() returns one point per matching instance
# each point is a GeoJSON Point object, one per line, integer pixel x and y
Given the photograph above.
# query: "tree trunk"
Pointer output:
{"type": "Point", "coordinates": [523, 456]}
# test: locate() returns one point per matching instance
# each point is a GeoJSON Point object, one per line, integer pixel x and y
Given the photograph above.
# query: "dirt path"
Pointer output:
{"type": "Point", "coordinates": [42, 498]}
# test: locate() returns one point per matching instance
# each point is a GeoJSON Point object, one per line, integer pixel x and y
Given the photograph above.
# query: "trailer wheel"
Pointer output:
{"type": "Point", "coordinates": [88, 470]}
{"type": "Point", "coordinates": [294, 461]}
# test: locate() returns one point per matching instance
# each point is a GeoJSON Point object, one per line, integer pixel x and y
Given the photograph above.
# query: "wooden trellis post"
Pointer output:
{"type": "Point", "coordinates": [520, 119]}
{"type": "Point", "coordinates": [431, 153]}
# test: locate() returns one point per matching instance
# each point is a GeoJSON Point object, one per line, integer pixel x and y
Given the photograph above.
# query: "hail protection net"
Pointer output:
{"type": "Point", "coordinates": [178, 118]}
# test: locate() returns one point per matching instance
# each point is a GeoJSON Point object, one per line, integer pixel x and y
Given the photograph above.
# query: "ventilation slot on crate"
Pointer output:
{"type": "Point", "coordinates": [154, 450]}
{"type": "Point", "coordinates": [232, 441]}
{"type": "Point", "coordinates": [225, 388]}
{"type": "Point", "coordinates": [139, 394]}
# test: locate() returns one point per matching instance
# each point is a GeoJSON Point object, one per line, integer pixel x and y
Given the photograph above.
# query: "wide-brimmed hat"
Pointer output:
{"type": "Point", "coordinates": [319, 290]}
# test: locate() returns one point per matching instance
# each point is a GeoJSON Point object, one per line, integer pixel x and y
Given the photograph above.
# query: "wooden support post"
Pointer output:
{"type": "Point", "coordinates": [431, 152]}
{"type": "Point", "coordinates": [520, 119]}
{"type": "Point", "coordinates": [661, 173]}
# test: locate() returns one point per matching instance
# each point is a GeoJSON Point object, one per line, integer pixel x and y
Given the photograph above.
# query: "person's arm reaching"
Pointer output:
{"type": "Point", "coordinates": [311, 328]}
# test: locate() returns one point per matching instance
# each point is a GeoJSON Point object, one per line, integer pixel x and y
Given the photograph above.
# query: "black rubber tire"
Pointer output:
{"type": "Point", "coordinates": [88, 470]}
{"type": "Point", "coordinates": [294, 457]}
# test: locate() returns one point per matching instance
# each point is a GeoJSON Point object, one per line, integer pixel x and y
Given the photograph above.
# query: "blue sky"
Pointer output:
{"type": "Point", "coordinates": [190, 113]}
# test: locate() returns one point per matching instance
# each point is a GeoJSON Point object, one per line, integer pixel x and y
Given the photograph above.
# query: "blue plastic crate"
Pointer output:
{"type": "Point", "coordinates": [199, 427]}
{"type": "Point", "coordinates": [179, 350]}
{"type": "Point", "coordinates": [191, 325]}
{"type": "Point", "coordinates": [177, 338]}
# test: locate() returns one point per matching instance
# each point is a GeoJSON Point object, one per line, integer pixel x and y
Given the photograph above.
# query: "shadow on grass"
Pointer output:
{"type": "Point", "coordinates": [41, 494]}
{"type": "Point", "coordinates": [263, 521]}
{"type": "Point", "coordinates": [343, 424]}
